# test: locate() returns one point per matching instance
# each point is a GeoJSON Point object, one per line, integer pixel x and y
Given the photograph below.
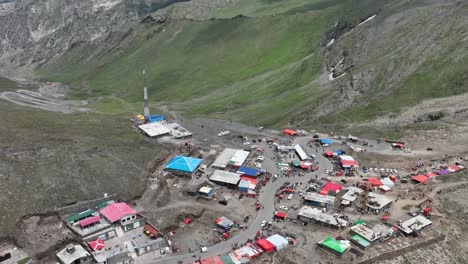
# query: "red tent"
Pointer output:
{"type": "Point", "coordinates": [375, 181]}
{"type": "Point", "coordinates": [330, 186]}
{"type": "Point", "coordinates": [345, 163]}
{"type": "Point", "coordinates": [454, 168]}
{"type": "Point", "coordinates": [328, 153]}
{"type": "Point", "coordinates": [420, 178]}
{"type": "Point", "coordinates": [280, 215]}
{"type": "Point", "coordinates": [96, 245]}
{"type": "Point", "coordinates": [392, 178]}
{"type": "Point", "coordinates": [226, 235]}
{"type": "Point", "coordinates": [265, 245]}
{"type": "Point", "coordinates": [384, 218]}
{"type": "Point", "coordinates": [339, 173]}
{"type": "Point", "coordinates": [290, 132]}
{"type": "Point", "coordinates": [212, 260]}
{"type": "Point", "coordinates": [431, 174]}
{"type": "Point", "coordinates": [187, 221]}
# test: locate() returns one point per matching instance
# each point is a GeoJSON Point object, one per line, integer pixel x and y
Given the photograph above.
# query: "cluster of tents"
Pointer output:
{"type": "Point", "coordinates": [249, 251]}
{"type": "Point", "coordinates": [422, 178]}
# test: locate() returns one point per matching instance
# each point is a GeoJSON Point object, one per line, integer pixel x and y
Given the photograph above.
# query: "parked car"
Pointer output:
{"type": "Point", "coordinates": [290, 196]}
{"type": "Point", "coordinates": [246, 219]}
{"type": "Point", "coordinates": [282, 207]}
{"type": "Point", "coordinates": [264, 222]}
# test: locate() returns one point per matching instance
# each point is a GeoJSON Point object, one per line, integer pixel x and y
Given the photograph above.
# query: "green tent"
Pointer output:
{"type": "Point", "coordinates": [295, 163]}
{"type": "Point", "coordinates": [80, 216]}
{"type": "Point", "coordinates": [360, 240]}
{"type": "Point", "coordinates": [334, 245]}
{"type": "Point", "coordinates": [359, 222]}
{"type": "Point", "coordinates": [227, 260]}
{"type": "Point", "coordinates": [104, 204]}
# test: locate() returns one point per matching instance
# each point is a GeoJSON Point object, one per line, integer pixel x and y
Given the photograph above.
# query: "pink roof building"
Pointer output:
{"type": "Point", "coordinates": [116, 211]}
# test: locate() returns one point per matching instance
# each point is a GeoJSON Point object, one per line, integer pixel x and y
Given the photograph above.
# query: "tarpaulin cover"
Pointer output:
{"type": "Point", "coordinates": [331, 186]}
{"type": "Point", "coordinates": [431, 174]}
{"type": "Point", "coordinates": [420, 178]}
{"type": "Point", "coordinates": [265, 245]}
{"type": "Point", "coordinates": [326, 141]}
{"type": "Point", "coordinates": [375, 181]}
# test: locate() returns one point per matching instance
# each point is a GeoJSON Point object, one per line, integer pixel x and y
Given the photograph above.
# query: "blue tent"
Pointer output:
{"type": "Point", "coordinates": [248, 171]}
{"type": "Point", "coordinates": [184, 164]}
{"type": "Point", "coordinates": [337, 152]}
{"type": "Point", "coordinates": [155, 118]}
{"type": "Point", "coordinates": [326, 141]}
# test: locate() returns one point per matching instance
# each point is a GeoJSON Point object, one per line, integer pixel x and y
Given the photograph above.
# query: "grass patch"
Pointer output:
{"type": "Point", "coordinates": [110, 106]}
{"type": "Point", "coordinates": [24, 261]}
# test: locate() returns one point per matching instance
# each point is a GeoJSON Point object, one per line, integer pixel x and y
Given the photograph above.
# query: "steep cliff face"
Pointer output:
{"type": "Point", "coordinates": [32, 32]}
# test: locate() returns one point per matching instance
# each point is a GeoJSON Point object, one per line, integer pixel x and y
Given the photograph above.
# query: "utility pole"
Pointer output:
{"type": "Point", "coordinates": [145, 91]}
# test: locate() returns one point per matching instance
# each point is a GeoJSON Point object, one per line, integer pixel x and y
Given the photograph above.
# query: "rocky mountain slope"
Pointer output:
{"type": "Point", "coordinates": [33, 32]}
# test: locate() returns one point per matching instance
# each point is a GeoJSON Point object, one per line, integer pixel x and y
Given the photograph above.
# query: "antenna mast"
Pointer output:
{"type": "Point", "coordinates": [145, 91]}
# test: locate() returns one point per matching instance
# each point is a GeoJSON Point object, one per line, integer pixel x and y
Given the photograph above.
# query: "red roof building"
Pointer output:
{"type": "Point", "coordinates": [265, 245]}
{"type": "Point", "coordinates": [116, 211]}
{"type": "Point", "coordinates": [330, 186]}
{"type": "Point", "coordinates": [420, 178]}
{"type": "Point", "coordinates": [89, 221]}
{"type": "Point", "coordinates": [375, 182]}
{"type": "Point", "coordinates": [96, 245]}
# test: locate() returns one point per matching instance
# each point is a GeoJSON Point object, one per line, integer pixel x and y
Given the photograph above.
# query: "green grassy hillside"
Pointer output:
{"type": "Point", "coordinates": [264, 69]}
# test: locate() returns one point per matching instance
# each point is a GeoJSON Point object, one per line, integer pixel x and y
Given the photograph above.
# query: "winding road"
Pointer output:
{"type": "Point", "coordinates": [266, 198]}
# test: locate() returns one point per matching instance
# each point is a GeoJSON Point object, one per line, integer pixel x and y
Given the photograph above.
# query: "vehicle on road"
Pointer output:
{"type": "Point", "coordinates": [282, 207]}
{"type": "Point", "coordinates": [246, 219]}
{"type": "Point", "coordinates": [203, 249]}
{"type": "Point", "coordinates": [264, 222]}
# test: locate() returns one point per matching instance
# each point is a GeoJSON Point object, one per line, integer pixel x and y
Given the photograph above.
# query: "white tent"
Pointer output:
{"type": "Point", "coordinates": [278, 241]}
{"type": "Point", "coordinates": [387, 182]}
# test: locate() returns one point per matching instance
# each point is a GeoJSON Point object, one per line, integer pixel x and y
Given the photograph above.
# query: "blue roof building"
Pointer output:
{"type": "Point", "coordinates": [183, 165]}
{"type": "Point", "coordinates": [248, 171]}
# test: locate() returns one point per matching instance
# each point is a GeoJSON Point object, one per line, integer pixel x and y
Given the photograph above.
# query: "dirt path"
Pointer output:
{"type": "Point", "coordinates": [43, 101]}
